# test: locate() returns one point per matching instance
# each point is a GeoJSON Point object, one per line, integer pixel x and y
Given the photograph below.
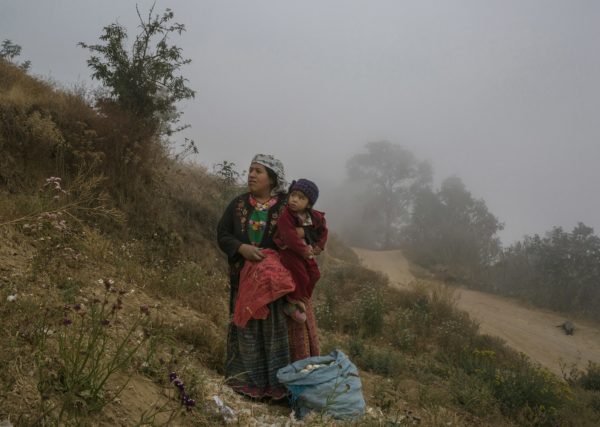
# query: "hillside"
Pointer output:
{"type": "Point", "coordinates": [110, 281]}
{"type": "Point", "coordinates": [527, 329]}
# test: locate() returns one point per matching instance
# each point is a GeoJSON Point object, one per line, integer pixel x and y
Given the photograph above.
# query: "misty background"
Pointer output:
{"type": "Point", "coordinates": [504, 94]}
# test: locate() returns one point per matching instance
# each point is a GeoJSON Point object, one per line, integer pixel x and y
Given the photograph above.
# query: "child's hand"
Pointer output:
{"type": "Point", "coordinates": [310, 252]}
{"type": "Point", "coordinates": [317, 250]}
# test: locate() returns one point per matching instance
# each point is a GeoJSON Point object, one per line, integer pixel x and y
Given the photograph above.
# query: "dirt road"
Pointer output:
{"type": "Point", "coordinates": [530, 330]}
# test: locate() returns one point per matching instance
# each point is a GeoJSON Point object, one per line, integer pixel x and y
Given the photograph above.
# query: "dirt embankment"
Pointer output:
{"type": "Point", "coordinates": [527, 329]}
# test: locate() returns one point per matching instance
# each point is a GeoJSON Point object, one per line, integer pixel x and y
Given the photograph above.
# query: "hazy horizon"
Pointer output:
{"type": "Point", "coordinates": [503, 94]}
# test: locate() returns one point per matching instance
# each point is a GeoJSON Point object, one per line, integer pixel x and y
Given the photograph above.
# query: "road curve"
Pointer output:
{"type": "Point", "coordinates": [527, 329]}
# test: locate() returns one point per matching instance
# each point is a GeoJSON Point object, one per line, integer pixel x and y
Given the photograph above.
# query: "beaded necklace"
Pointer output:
{"type": "Point", "coordinates": [258, 220]}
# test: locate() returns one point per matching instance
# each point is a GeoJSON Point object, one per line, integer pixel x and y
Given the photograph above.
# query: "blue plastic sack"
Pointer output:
{"type": "Point", "coordinates": [333, 388]}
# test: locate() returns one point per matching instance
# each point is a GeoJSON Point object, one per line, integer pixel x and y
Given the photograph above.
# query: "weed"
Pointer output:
{"type": "Point", "coordinates": [92, 344]}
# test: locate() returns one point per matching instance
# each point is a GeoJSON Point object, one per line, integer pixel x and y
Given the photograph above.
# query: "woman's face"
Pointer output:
{"type": "Point", "coordinates": [259, 182]}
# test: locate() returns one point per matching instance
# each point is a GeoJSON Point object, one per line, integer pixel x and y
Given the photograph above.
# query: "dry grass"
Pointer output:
{"type": "Point", "coordinates": [424, 359]}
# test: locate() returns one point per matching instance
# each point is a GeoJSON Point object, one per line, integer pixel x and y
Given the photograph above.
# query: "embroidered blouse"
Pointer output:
{"type": "Point", "coordinates": [258, 219]}
{"type": "Point", "coordinates": [246, 220]}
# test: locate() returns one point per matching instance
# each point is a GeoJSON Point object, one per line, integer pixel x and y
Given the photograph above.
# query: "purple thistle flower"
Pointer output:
{"type": "Point", "coordinates": [172, 376]}
{"type": "Point", "coordinates": [179, 384]}
{"type": "Point", "coordinates": [144, 309]}
{"type": "Point", "coordinates": [77, 307]}
{"type": "Point", "coordinates": [66, 321]}
{"type": "Point", "coordinates": [105, 322]}
{"type": "Point", "coordinates": [117, 305]}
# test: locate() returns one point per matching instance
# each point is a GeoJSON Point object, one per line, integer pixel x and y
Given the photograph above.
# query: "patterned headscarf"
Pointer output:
{"type": "Point", "coordinates": [276, 166]}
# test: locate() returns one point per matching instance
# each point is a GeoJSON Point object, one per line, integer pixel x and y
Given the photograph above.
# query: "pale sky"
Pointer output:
{"type": "Point", "coordinates": [504, 94]}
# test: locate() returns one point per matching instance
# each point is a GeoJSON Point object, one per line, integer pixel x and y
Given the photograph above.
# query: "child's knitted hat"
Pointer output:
{"type": "Point", "coordinates": [309, 188]}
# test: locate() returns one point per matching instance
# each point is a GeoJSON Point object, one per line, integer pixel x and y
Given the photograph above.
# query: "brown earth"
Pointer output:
{"type": "Point", "coordinates": [527, 329]}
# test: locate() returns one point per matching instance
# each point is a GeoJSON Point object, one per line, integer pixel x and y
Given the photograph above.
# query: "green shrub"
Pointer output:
{"type": "Point", "coordinates": [383, 361]}
{"type": "Point", "coordinates": [472, 393]}
{"type": "Point", "coordinates": [531, 391]}
{"type": "Point", "coordinates": [590, 379]}
{"type": "Point", "coordinates": [400, 332]}
{"type": "Point", "coordinates": [371, 310]}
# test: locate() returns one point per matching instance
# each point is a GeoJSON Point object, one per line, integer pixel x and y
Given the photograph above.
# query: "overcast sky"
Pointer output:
{"type": "Point", "coordinates": [504, 94]}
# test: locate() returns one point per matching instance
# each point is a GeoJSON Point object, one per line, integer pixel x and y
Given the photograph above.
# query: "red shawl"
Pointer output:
{"type": "Point", "coordinates": [260, 284]}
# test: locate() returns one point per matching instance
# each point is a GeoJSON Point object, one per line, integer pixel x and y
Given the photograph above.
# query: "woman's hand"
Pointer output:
{"type": "Point", "coordinates": [317, 250]}
{"type": "Point", "coordinates": [251, 253]}
{"type": "Point", "coordinates": [300, 231]}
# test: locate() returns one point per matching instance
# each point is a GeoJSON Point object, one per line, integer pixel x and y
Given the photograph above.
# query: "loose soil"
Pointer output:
{"type": "Point", "coordinates": [527, 329]}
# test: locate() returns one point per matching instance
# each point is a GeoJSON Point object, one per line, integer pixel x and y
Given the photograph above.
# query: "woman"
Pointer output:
{"type": "Point", "coordinates": [255, 353]}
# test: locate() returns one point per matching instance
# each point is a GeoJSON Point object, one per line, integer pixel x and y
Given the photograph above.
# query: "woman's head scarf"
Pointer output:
{"type": "Point", "coordinates": [276, 166]}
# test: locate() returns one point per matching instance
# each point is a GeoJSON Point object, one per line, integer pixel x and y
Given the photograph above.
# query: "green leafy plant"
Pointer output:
{"type": "Point", "coordinates": [590, 379]}
{"type": "Point", "coordinates": [144, 81]}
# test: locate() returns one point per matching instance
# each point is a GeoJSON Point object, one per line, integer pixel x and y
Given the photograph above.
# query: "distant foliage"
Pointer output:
{"type": "Point", "coordinates": [389, 176]}
{"type": "Point", "coordinates": [452, 230]}
{"type": "Point", "coordinates": [9, 51]}
{"type": "Point", "coordinates": [560, 270]}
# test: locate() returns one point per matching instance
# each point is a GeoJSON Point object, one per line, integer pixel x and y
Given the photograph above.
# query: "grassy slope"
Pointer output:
{"type": "Point", "coordinates": [419, 356]}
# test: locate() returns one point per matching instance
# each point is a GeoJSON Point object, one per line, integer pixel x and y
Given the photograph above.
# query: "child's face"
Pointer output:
{"type": "Point", "coordinates": [297, 201]}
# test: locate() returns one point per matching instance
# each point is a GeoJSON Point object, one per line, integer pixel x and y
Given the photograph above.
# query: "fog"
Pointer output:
{"type": "Point", "coordinates": [504, 94]}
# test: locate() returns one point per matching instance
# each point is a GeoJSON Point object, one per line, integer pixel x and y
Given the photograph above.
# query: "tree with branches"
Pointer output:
{"type": "Point", "coordinates": [144, 81]}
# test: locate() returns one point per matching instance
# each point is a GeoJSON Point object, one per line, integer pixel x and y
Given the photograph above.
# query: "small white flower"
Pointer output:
{"type": "Point", "coordinates": [11, 298]}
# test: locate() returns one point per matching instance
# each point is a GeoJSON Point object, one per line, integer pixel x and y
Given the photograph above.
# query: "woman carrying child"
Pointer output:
{"type": "Point", "coordinates": [258, 350]}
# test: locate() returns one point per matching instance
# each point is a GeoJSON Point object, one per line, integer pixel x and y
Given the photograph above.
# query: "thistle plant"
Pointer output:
{"type": "Point", "coordinates": [185, 400]}
{"type": "Point", "coordinates": [93, 343]}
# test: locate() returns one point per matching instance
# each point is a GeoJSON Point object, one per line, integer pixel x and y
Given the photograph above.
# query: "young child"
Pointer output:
{"type": "Point", "coordinates": [301, 234]}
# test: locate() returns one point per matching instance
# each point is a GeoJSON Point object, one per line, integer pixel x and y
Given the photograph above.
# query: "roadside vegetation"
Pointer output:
{"type": "Point", "coordinates": [453, 234]}
{"type": "Point", "coordinates": [114, 296]}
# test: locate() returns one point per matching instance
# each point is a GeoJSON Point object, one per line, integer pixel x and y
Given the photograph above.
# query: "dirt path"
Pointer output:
{"type": "Point", "coordinates": [530, 330]}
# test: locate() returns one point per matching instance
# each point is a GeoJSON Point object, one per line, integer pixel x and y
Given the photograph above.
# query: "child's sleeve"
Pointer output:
{"type": "Point", "coordinates": [323, 234]}
{"type": "Point", "coordinates": [287, 236]}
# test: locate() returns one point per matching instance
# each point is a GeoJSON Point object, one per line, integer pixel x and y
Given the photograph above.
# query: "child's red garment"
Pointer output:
{"type": "Point", "coordinates": [294, 250]}
{"type": "Point", "coordinates": [260, 284]}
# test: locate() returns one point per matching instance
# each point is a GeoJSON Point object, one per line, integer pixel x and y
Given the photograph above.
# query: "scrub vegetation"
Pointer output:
{"type": "Point", "coordinates": [114, 296]}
